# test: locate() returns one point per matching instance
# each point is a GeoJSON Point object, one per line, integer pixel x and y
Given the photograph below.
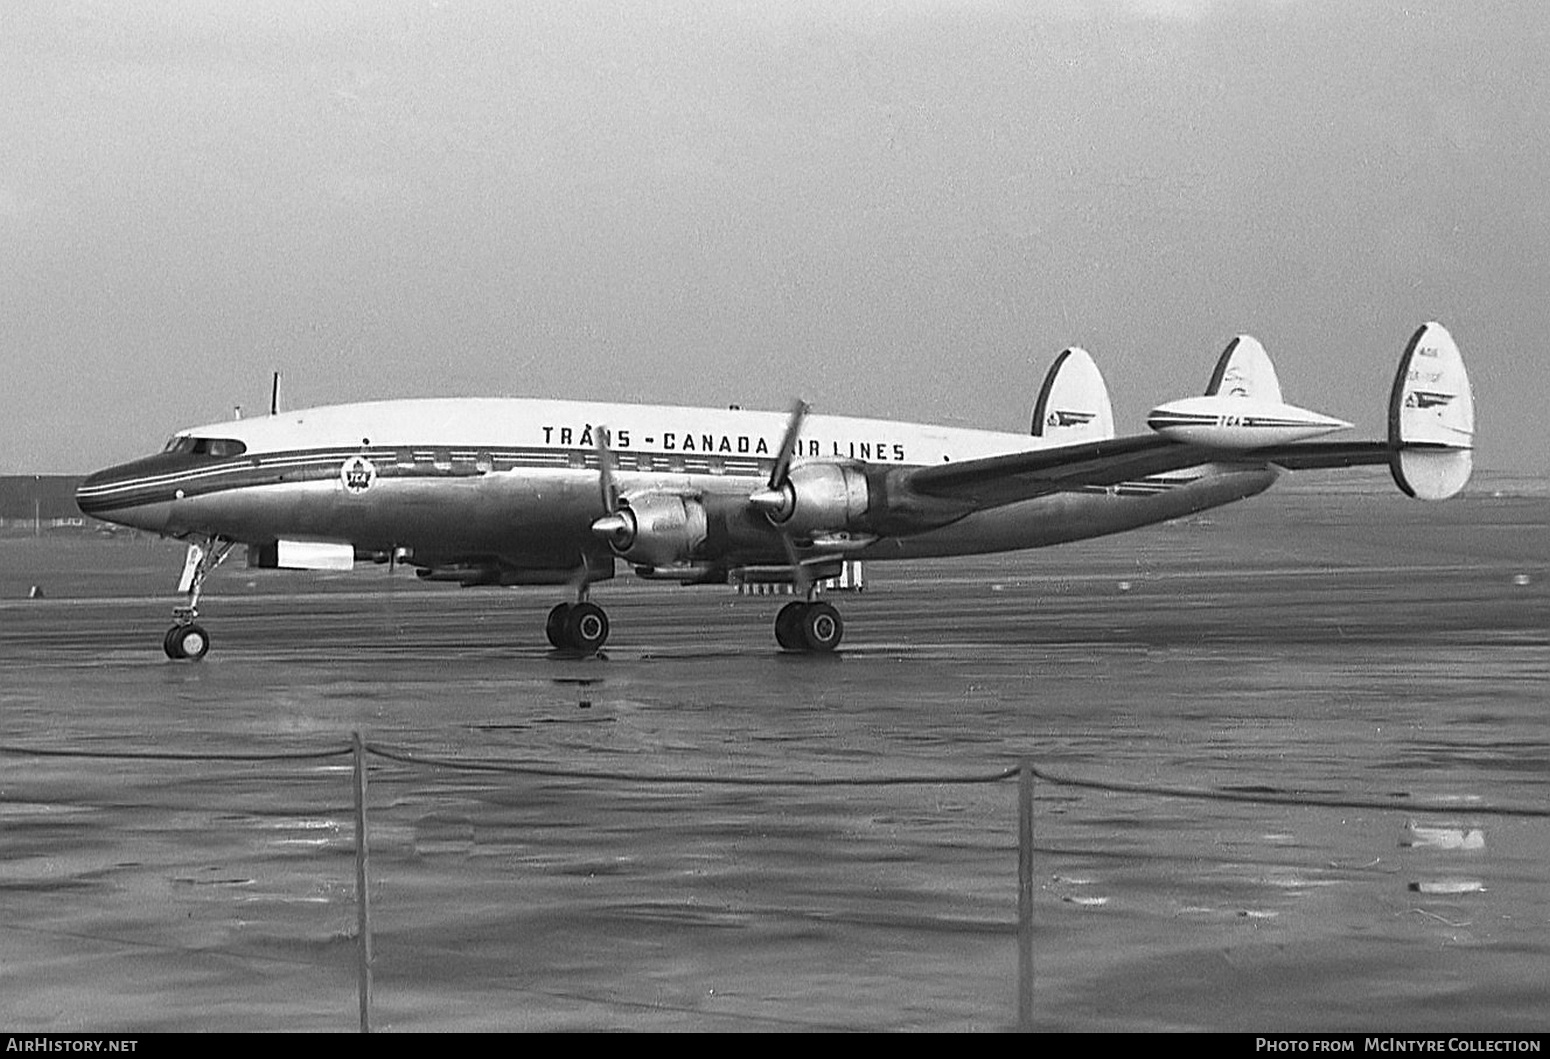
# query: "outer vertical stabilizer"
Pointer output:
{"type": "Point", "coordinates": [1431, 417]}
{"type": "Point", "coordinates": [1244, 370]}
{"type": "Point", "coordinates": [1073, 403]}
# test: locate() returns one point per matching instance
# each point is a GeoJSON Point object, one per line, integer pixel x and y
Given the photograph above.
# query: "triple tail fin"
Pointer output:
{"type": "Point", "coordinates": [1431, 417]}
{"type": "Point", "coordinates": [1244, 370]}
{"type": "Point", "coordinates": [1073, 404]}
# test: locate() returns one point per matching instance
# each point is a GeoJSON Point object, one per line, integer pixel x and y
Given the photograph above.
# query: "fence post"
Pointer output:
{"type": "Point", "coordinates": [362, 894]}
{"type": "Point", "coordinates": [1025, 895]}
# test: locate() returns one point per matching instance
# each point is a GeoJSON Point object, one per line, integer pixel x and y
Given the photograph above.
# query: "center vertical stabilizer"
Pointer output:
{"type": "Point", "coordinates": [1244, 370]}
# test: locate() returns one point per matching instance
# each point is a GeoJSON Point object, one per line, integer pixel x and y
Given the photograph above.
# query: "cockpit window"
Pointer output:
{"type": "Point", "coordinates": [188, 445]}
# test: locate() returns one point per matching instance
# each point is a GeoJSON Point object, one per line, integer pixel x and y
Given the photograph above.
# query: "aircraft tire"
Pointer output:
{"type": "Point", "coordinates": [586, 628]}
{"type": "Point", "coordinates": [187, 641]}
{"type": "Point", "coordinates": [554, 628]}
{"type": "Point", "coordinates": [788, 626]}
{"type": "Point", "coordinates": [822, 628]}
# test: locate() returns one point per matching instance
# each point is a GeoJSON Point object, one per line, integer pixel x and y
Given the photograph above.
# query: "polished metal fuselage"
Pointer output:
{"type": "Point", "coordinates": [517, 482]}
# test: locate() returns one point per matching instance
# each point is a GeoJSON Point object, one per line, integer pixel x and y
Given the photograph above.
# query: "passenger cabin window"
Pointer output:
{"type": "Point", "coordinates": [188, 445]}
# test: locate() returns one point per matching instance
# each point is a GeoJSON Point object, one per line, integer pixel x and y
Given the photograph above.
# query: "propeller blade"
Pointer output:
{"type": "Point", "coordinates": [605, 472]}
{"type": "Point", "coordinates": [777, 500]}
{"type": "Point", "coordinates": [788, 443]}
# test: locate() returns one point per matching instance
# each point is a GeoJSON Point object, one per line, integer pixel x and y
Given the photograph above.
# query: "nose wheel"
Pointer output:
{"type": "Point", "coordinates": [815, 628]}
{"type": "Point", "coordinates": [188, 641]}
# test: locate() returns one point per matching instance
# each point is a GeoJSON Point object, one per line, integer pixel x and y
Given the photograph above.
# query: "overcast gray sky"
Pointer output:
{"type": "Point", "coordinates": [900, 209]}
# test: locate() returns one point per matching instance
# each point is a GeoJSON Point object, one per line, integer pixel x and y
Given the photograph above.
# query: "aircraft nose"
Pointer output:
{"type": "Point", "coordinates": [119, 494]}
{"type": "Point", "coordinates": [88, 494]}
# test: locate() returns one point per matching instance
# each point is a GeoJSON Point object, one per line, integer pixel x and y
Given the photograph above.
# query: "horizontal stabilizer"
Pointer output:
{"type": "Point", "coordinates": [1073, 404]}
{"type": "Point", "coordinates": [1431, 417]}
{"type": "Point", "coordinates": [1244, 370]}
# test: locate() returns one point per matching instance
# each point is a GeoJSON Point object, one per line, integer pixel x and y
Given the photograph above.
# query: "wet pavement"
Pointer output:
{"type": "Point", "coordinates": [695, 832]}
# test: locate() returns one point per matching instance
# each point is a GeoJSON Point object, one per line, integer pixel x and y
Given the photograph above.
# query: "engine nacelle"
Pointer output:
{"type": "Point", "coordinates": [657, 529]}
{"type": "Point", "coordinates": [818, 496]}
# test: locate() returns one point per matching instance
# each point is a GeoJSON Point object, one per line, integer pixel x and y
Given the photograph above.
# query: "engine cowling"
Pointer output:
{"type": "Point", "coordinates": [657, 529]}
{"type": "Point", "coordinates": [817, 496]}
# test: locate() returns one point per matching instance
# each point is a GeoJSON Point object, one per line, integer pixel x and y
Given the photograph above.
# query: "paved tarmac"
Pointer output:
{"type": "Point", "coordinates": [654, 854]}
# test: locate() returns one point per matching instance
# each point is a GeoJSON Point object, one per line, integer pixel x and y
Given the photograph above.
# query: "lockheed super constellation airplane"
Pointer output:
{"type": "Point", "coordinates": [534, 492]}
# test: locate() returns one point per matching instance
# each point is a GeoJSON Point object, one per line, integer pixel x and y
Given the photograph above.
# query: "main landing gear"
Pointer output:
{"type": "Point", "coordinates": [186, 639]}
{"type": "Point", "coordinates": [811, 626]}
{"type": "Point", "coordinates": [580, 627]}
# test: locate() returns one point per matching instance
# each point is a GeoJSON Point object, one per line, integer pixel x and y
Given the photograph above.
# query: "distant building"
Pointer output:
{"type": "Point", "coordinates": [42, 500]}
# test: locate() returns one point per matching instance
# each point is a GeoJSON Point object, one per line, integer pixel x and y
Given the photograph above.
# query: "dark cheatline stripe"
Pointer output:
{"type": "Point", "coordinates": [1181, 419]}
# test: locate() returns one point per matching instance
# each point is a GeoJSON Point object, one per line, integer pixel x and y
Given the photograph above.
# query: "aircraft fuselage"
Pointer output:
{"type": "Point", "coordinates": [516, 480]}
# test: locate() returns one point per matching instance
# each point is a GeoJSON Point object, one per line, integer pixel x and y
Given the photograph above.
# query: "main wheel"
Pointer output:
{"type": "Point", "coordinates": [821, 627]}
{"type": "Point", "coordinates": [788, 626]}
{"type": "Point", "coordinates": [554, 628]}
{"type": "Point", "coordinates": [586, 627]}
{"type": "Point", "coordinates": [186, 641]}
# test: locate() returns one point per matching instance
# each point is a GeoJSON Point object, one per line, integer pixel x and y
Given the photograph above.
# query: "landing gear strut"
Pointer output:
{"type": "Point", "coordinates": [581, 626]}
{"type": "Point", "coordinates": [186, 639]}
{"type": "Point", "coordinates": [810, 626]}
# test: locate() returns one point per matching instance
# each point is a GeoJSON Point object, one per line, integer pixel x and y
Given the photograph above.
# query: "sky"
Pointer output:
{"type": "Point", "coordinates": [892, 208]}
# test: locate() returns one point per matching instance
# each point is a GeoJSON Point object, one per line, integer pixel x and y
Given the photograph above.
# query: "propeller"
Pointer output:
{"type": "Point", "coordinates": [778, 500]}
{"type": "Point", "coordinates": [616, 526]}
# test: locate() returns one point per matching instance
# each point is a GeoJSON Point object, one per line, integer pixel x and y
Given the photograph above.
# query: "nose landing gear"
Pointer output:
{"type": "Point", "coordinates": [186, 639]}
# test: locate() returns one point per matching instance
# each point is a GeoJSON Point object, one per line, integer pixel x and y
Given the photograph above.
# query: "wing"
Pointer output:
{"type": "Point", "coordinates": [998, 480]}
